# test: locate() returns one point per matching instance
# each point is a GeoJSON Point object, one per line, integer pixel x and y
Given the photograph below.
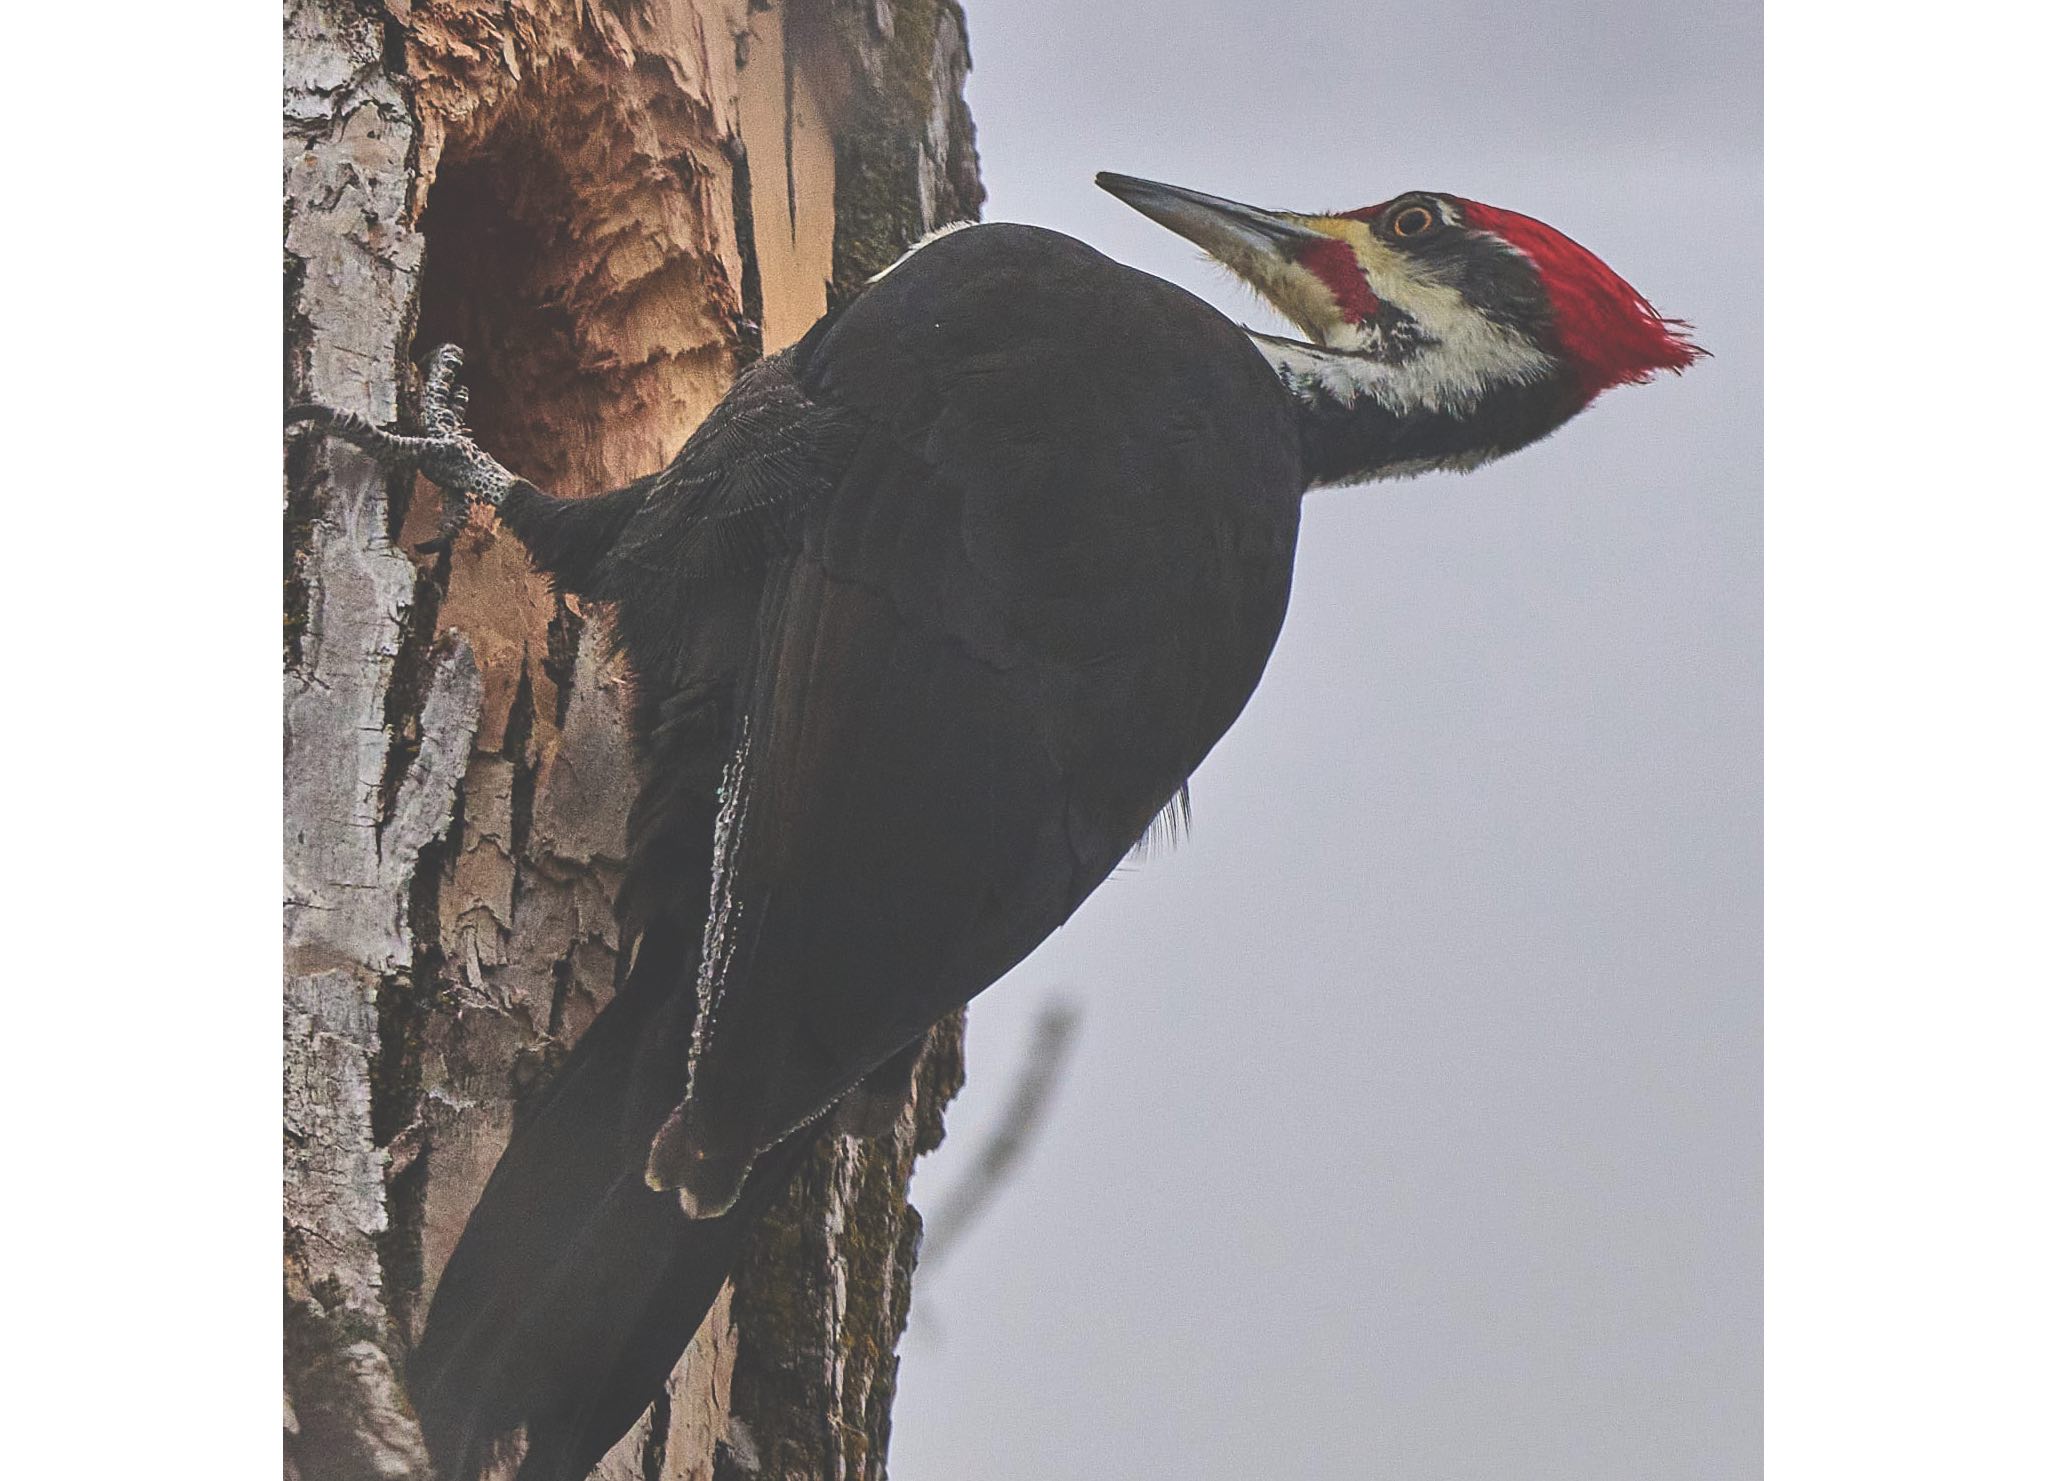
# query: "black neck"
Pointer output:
{"type": "Point", "coordinates": [1357, 424]}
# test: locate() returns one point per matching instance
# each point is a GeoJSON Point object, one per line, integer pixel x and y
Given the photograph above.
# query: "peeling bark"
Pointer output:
{"type": "Point", "coordinates": [612, 206]}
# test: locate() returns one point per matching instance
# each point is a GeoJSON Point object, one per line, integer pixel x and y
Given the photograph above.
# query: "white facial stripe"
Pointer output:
{"type": "Point", "coordinates": [1464, 354]}
{"type": "Point", "coordinates": [1452, 375]}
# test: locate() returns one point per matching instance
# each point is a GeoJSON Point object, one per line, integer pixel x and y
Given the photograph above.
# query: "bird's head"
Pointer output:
{"type": "Point", "coordinates": [1433, 309]}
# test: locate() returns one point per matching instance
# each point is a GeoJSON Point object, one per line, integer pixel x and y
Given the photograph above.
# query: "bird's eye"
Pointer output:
{"type": "Point", "coordinates": [1413, 221]}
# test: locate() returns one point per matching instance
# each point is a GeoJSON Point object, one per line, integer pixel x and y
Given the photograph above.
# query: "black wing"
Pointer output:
{"type": "Point", "coordinates": [1046, 580]}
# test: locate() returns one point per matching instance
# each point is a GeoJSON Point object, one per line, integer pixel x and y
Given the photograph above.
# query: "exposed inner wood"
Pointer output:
{"type": "Point", "coordinates": [790, 168]}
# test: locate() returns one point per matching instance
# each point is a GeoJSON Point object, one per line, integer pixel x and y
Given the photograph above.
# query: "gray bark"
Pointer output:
{"type": "Point", "coordinates": [572, 191]}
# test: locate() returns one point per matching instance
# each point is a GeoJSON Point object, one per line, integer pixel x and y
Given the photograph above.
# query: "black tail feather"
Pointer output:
{"type": "Point", "coordinates": [575, 1287]}
{"type": "Point", "coordinates": [646, 1322]}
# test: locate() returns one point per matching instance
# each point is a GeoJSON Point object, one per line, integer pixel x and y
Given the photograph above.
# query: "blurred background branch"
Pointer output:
{"type": "Point", "coordinates": [1052, 1041]}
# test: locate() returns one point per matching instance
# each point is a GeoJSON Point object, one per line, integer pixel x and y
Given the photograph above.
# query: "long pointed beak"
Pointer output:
{"type": "Point", "coordinates": [1227, 230]}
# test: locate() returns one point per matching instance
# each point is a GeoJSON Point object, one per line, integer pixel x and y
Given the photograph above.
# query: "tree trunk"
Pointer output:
{"type": "Point", "coordinates": [612, 206]}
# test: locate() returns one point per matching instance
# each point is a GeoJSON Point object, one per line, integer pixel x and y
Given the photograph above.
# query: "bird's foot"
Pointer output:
{"type": "Point", "coordinates": [443, 450]}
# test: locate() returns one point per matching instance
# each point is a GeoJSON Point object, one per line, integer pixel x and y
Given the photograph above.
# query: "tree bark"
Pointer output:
{"type": "Point", "coordinates": [612, 205]}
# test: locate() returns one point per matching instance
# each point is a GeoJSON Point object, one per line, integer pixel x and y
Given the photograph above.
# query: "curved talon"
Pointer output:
{"type": "Point", "coordinates": [320, 418]}
{"type": "Point", "coordinates": [390, 449]}
{"type": "Point", "coordinates": [441, 399]}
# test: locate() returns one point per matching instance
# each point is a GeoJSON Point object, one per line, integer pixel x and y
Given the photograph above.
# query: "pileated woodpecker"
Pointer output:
{"type": "Point", "coordinates": [932, 616]}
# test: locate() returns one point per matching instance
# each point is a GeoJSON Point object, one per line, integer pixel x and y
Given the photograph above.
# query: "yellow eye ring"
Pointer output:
{"type": "Point", "coordinates": [1413, 221]}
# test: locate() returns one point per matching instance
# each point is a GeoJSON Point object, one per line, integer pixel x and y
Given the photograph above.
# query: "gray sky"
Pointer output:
{"type": "Point", "coordinates": [1414, 1127]}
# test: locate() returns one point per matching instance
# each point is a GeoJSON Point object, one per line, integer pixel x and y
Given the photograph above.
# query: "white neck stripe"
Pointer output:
{"type": "Point", "coordinates": [1451, 375]}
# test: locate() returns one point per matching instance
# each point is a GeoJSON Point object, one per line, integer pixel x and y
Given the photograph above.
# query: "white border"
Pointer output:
{"type": "Point", "coordinates": [143, 508]}
{"type": "Point", "coordinates": [1907, 561]}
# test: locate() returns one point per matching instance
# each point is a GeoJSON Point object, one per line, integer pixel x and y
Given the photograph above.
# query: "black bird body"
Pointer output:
{"type": "Point", "coordinates": [932, 616]}
{"type": "Point", "coordinates": [939, 608]}
{"type": "Point", "coordinates": [1046, 578]}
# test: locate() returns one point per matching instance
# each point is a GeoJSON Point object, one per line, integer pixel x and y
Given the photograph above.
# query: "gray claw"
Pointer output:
{"type": "Point", "coordinates": [443, 365]}
{"type": "Point", "coordinates": [441, 399]}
